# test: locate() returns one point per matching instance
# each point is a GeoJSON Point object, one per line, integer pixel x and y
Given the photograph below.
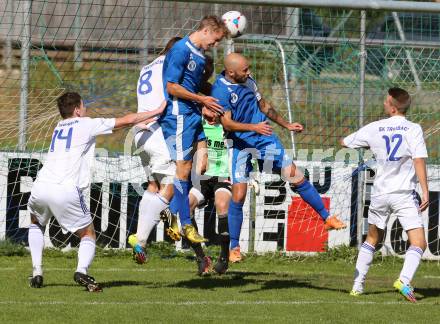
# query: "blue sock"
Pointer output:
{"type": "Point", "coordinates": [174, 206]}
{"type": "Point", "coordinates": [309, 194]}
{"type": "Point", "coordinates": [235, 220]}
{"type": "Point", "coordinates": [181, 191]}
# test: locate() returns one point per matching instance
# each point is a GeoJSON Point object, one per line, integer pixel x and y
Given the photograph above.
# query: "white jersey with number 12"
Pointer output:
{"type": "Point", "coordinates": [395, 142]}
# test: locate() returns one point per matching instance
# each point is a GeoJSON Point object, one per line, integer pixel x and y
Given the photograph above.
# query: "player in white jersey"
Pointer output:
{"type": "Point", "coordinates": [155, 156]}
{"type": "Point", "coordinates": [400, 152]}
{"type": "Point", "coordinates": [58, 190]}
{"type": "Point", "coordinates": [156, 160]}
{"type": "Point", "coordinates": [154, 153]}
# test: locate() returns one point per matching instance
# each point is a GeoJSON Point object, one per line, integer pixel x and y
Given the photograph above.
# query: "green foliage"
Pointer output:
{"type": "Point", "coordinates": [9, 248]}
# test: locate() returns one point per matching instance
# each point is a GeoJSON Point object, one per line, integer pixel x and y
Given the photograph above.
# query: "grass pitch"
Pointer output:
{"type": "Point", "coordinates": [167, 290]}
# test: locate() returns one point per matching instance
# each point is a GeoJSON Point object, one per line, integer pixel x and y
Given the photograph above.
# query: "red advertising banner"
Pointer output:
{"type": "Point", "coordinates": [305, 228]}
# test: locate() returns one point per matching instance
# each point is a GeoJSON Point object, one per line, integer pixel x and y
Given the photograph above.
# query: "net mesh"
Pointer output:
{"type": "Point", "coordinates": [98, 47]}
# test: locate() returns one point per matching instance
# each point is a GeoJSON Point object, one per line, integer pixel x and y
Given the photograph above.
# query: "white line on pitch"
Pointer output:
{"type": "Point", "coordinates": [178, 269]}
{"type": "Point", "coordinates": [431, 277]}
{"type": "Point", "coordinates": [111, 269]}
{"type": "Point", "coordinates": [219, 303]}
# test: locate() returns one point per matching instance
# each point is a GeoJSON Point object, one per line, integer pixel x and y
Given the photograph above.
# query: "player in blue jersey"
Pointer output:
{"type": "Point", "coordinates": [182, 121]}
{"type": "Point", "coordinates": [246, 119]}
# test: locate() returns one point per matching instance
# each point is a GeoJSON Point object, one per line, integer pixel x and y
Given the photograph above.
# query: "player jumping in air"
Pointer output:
{"type": "Point", "coordinates": [246, 121]}
{"type": "Point", "coordinates": [400, 152]}
{"type": "Point", "coordinates": [58, 190]}
{"type": "Point", "coordinates": [182, 121]}
{"type": "Point", "coordinates": [212, 162]}
{"type": "Point", "coordinates": [155, 156]}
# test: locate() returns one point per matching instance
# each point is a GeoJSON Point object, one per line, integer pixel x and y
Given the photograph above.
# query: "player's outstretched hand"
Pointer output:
{"type": "Point", "coordinates": [263, 128]}
{"type": "Point", "coordinates": [210, 116]}
{"type": "Point", "coordinates": [144, 124]}
{"type": "Point", "coordinates": [212, 104]}
{"type": "Point", "coordinates": [295, 127]}
{"type": "Point", "coordinates": [425, 201]}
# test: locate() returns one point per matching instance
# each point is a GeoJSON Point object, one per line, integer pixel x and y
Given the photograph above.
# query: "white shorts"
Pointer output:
{"type": "Point", "coordinates": [404, 205]}
{"type": "Point", "coordinates": [65, 203]}
{"type": "Point", "coordinates": [155, 156]}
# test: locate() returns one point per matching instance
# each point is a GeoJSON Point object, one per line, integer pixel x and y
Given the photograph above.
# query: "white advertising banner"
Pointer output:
{"type": "Point", "coordinates": [275, 219]}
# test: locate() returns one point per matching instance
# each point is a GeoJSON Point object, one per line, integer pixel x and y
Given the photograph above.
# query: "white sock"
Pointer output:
{"type": "Point", "coordinates": [412, 261]}
{"type": "Point", "coordinates": [36, 245]}
{"type": "Point", "coordinates": [86, 253]}
{"type": "Point", "coordinates": [365, 257]}
{"type": "Point", "coordinates": [149, 215]}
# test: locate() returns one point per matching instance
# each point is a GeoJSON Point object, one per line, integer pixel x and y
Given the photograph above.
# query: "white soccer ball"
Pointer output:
{"type": "Point", "coordinates": [236, 22]}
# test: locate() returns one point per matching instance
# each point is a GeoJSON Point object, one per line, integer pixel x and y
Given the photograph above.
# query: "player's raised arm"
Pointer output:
{"type": "Point", "coordinates": [136, 118]}
{"type": "Point", "coordinates": [358, 139]}
{"type": "Point", "coordinates": [178, 91]}
{"type": "Point", "coordinates": [231, 125]}
{"type": "Point", "coordinates": [267, 109]}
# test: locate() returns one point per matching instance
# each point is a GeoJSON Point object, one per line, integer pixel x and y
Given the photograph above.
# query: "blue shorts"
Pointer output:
{"type": "Point", "coordinates": [181, 132]}
{"type": "Point", "coordinates": [269, 153]}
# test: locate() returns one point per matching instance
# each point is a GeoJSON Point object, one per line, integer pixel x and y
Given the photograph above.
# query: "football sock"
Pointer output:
{"type": "Point", "coordinates": [86, 253]}
{"type": "Point", "coordinates": [411, 263]}
{"type": "Point", "coordinates": [223, 231]}
{"type": "Point", "coordinates": [181, 191]}
{"type": "Point", "coordinates": [36, 245]}
{"type": "Point", "coordinates": [149, 215]}
{"type": "Point", "coordinates": [365, 257]}
{"type": "Point", "coordinates": [197, 247]}
{"type": "Point", "coordinates": [309, 194]}
{"type": "Point", "coordinates": [174, 207]}
{"type": "Point", "coordinates": [235, 220]}
{"type": "Point", "coordinates": [193, 221]}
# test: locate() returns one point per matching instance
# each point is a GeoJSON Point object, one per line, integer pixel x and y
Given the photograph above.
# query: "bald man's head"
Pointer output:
{"type": "Point", "coordinates": [236, 68]}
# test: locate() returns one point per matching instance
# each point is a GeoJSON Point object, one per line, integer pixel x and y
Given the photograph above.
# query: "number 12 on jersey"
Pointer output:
{"type": "Point", "coordinates": [394, 140]}
{"type": "Point", "coordinates": [58, 135]}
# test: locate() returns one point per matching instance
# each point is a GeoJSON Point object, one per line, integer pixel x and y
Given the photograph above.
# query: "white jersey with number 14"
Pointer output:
{"type": "Point", "coordinates": [72, 151]}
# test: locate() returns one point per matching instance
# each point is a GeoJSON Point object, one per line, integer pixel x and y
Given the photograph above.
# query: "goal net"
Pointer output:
{"type": "Point", "coordinates": [307, 62]}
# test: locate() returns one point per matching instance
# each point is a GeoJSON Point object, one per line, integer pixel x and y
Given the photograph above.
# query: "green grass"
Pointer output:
{"type": "Point", "coordinates": [271, 289]}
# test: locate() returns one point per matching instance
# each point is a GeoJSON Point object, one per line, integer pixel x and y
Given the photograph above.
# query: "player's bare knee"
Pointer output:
{"type": "Point", "coordinates": [167, 190]}
{"type": "Point", "coordinates": [183, 169]}
{"type": "Point", "coordinates": [88, 231]}
{"type": "Point", "coordinates": [153, 186]}
{"type": "Point", "coordinates": [193, 202]}
{"type": "Point", "coordinates": [239, 195]}
{"type": "Point", "coordinates": [375, 235]}
{"type": "Point", "coordinates": [416, 237]}
{"type": "Point", "coordinates": [293, 175]}
{"type": "Point", "coordinates": [34, 220]}
{"type": "Point", "coordinates": [221, 206]}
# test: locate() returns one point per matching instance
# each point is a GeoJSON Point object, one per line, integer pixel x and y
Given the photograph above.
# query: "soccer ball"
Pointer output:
{"type": "Point", "coordinates": [236, 22]}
